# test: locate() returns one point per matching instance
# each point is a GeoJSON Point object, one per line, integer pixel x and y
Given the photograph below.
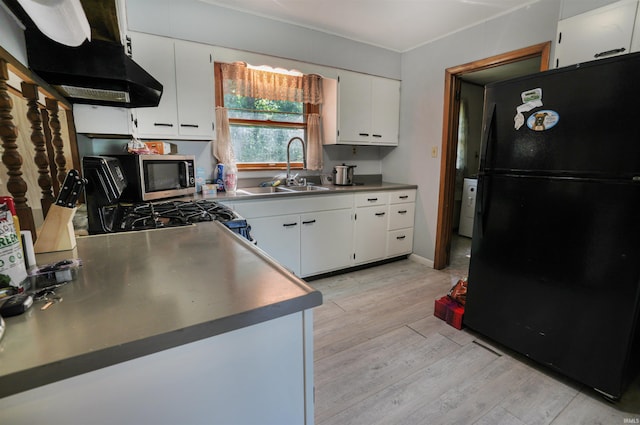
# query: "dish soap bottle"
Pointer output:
{"type": "Point", "coordinates": [230, 178]}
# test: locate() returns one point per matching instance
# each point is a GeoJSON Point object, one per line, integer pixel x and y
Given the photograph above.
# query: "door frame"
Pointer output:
{"type": "Point", "coordinates": [453, 79]}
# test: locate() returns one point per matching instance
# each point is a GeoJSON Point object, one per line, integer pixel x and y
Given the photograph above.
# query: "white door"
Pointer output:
{"type": "Point", "coordinates": [279, 237]}
{"type": "Point", "coordinates": [325, 241]}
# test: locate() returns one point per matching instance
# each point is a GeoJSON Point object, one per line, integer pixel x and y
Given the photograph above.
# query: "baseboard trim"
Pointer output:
{"type": "Point", "coordinates": [421, 260]}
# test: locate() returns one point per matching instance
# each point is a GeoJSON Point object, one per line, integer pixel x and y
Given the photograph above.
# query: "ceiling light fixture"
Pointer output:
{"type": "Point", "coordinates": [63, 21]}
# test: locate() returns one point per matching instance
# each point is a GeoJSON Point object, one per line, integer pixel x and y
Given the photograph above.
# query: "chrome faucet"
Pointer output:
{"type": "Point", "coordinates": [290, 180]}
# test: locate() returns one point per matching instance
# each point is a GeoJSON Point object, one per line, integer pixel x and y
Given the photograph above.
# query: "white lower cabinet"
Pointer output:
{"type": "Point", "coordinates": [308, 235]}
{"type": "Point", "coordinates": [279, 236]}
{"type": "Point", "coordinates": [325, 241]}
{"type": "Point", "coordinates": [317, 234]}
{"type": "Point", "coordinates": [370, 234]}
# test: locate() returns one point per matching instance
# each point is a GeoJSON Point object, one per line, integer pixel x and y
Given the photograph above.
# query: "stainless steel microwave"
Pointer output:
{"type": "Point", "coordinates": [152, 177]}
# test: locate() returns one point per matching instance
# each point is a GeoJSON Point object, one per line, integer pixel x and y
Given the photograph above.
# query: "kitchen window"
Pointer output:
{"type": "Point", "coordinates": [266, 108]}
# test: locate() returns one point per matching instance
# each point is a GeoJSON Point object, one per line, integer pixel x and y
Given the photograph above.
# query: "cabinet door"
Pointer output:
{"type": "Point", "coordinates": [279, 237]}
{"type": "Point", "coordinates": [194, 82]}
{"type": "Point", "coordinates": [103, 119]}
{"type": "Point", "coordinates": [325, 241]}
{"type": "Point", "coordinates": [399, 242]}
{"type": "Point", "coordinates": [600, 33]}
{"type": "Point", "coordinates": [370, 233]}
{"type": "Point", "coordinates": [156, 56]}
{"type": "Point", "coordinates": [385, 122]}
{"type": "Point", "coordinates": [401, 215]}
{"type": "Point", "coordinates": [354, 113]}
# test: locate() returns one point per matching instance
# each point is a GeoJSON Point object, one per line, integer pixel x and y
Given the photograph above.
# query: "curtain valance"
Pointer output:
{"type": "Point", "coordinates": [242, 80]}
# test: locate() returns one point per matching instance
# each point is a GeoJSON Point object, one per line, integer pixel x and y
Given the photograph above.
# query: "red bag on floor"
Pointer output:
{"type": "Point", "coordinates": [459, 291]}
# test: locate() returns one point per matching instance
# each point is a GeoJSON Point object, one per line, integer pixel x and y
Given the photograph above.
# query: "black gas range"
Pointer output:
{"type": "Point", "coordinates": [110, 211]}
{"type": "Point", "coordinates": [127, 217]}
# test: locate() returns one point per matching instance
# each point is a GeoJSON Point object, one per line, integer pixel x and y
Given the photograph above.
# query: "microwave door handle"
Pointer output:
{"type": "Point", "coordinates": [185, 173]}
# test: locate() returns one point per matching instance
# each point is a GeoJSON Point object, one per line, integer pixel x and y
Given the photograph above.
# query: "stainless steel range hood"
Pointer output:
{"type": "Point", "coordinates": [97, 72]}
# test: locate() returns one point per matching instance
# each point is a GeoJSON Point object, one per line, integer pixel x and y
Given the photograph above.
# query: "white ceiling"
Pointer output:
{"type": "Point", "coordinates": [398, 25]}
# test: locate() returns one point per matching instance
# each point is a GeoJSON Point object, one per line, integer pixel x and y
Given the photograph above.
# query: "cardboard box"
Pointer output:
{"type": "Point", "coordinates": [449, 311]}
{"type": "Point", "coordinates": [162, 148]}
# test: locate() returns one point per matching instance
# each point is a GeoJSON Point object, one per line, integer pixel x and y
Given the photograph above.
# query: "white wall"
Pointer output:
{"type": "Point", "coordinates": [12, 37]}
{"type": "Point", "coordinates": [422, 95]}
{"type": "Point", "coordinates": [204, 22]}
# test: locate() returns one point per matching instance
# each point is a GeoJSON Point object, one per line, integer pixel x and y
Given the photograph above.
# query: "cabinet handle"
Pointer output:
{"type": "Point", "coordinates": [309, 222]}
{"type": "Point", "coordinates": [363, 134]}
{"type": "Point", "coordinates": [162, 124]}
{"type": "Point", "coordinates": [190, 125]}
{"type": "Point", "coordinates": [372, 199]}
{"type": "Point", "coordinates": [377, 135]}
{"type": "Point", "coordinates": [400, 237]}
{"type": "Point", "coordinates": [404, 196]}
{"type": "Point", "coordinates": [380, 214]}
{"type": "Point", "coordinates": [609, 52]}
{"type": "Point", "coordinates": [289, 224]}
{"type": "Point", "coordinates": [402, 212]}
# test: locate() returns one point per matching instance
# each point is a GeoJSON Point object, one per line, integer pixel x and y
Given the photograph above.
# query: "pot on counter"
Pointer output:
{"type": "Point", "coordinates": [343, 175]}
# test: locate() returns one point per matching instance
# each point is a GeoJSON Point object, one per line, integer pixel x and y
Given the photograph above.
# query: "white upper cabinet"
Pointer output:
{"type": "Point", "coordinates": [186, 109]}
{"type": "Point", "coordinates": [599, 33]}
{"type": "Point", "coordinates": [368, 110]}
{"type": "Point", "coordinates": [195, 89]}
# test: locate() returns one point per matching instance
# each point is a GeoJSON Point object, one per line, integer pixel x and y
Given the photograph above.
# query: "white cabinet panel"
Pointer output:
{"type": "Point", "coordinates": [103, 119]}
{"type": "Point", "coordinates": [385, 124]}
{"type": "Point", "coordinates": [325, 241]}
{"type": "Point", "coordinates": [370, 199]}
{"type": "Point", "coordinates": [401, 215]}
{"type": "Point", "coordinates": [195, 89]}
{"type": "Point", "coordinates": [155, 55]}
{"type": "Point", "coordinates": [370, 234]}
{"type": "Point", "coordinates": [599, 33]}
{"type": "Point", "coordinates": [399, 242]}
{"type": "Point", "coordinates": [185, 69]}
{"type": "Point", "coordinates": [401, 196]}
{"type": "Point", "coordinates": [279, 237]}
{"type": "Point", "coordinates": [368, 110]}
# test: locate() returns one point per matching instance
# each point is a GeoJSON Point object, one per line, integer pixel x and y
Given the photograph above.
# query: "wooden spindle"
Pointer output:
{"type": "Point", "coordinates": [56, 139]}
{"type": "Point", "coordinates": [11, 158]}
{"type": "Point", "coordinates": [30, 93]}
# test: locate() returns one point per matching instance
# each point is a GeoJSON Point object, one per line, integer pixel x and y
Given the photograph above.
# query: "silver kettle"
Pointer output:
{"type": "Point", "coordinates": [343, 175]}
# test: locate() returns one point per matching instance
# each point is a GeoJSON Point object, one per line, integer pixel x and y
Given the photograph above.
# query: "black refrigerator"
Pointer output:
{"type": "Point", "coordinates": [555, 259]}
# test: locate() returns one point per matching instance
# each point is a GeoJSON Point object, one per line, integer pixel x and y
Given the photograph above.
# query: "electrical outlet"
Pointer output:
{"type": "Point", "coordinates": [434, 152]}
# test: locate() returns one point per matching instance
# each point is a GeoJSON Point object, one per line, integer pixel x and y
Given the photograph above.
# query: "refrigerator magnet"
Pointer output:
{"type": "Point", "coordinates": [543, 120]}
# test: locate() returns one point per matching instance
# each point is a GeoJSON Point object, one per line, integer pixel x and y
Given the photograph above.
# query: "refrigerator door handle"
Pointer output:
{"type": "Point", "coordinates": [487, 133]}
{"type": "Point", "coordinates": [481, 206]}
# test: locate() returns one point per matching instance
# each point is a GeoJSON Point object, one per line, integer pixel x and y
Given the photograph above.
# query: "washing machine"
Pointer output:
{"type": "Point", "coordinates": [468, 208]}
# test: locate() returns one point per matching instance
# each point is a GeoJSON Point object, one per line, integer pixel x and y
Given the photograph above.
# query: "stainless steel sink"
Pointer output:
{"type": "Point", "coordinates": [301, 188]}
{"type": "Point", "coordinates": [278, 189]}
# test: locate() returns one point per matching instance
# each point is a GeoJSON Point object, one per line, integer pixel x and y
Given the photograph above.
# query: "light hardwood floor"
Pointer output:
{"type": "Point", "coordinates": [381, 357]}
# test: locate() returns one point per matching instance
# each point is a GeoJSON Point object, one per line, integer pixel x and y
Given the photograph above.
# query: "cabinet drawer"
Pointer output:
{"type": "Point", "coordinates": [401, 215]}
{"type": "Point", "coordinates": [371, 198]}
{"type": "Point", "coordinates": [399, 196]}
{"type": "Point", "coordinates": [399, 242]}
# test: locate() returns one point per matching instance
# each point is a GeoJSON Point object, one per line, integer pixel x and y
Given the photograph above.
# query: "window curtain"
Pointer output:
{"type": "Point", "coordinates": [463, 135]}
{"type": "Point", "coordinates": [222, 148]}
{"type": "Point", "coordinates": [314, 142]}
{"type": "Point", "coordinates": [239, 79]}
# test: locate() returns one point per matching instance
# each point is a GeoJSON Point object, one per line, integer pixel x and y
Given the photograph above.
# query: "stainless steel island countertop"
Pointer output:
{"type": "Point", "coordinates": [138, 293]}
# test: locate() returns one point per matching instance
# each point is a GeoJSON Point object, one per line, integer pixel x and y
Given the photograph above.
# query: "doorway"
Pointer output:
{"type": "Point", "coordinates": [495, 68]}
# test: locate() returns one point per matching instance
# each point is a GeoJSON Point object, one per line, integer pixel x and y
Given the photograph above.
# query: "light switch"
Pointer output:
{"type": "Point", "coordinates": [434, 152]}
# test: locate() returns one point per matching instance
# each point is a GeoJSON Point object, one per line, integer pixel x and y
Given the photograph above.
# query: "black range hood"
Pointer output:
{"type": "Point", "coordinates": [97, 72]}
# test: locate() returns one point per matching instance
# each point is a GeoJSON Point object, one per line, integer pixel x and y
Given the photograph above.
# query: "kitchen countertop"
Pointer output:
{"type": "Point", "coordinates": [138, 293]}
{"type": "Point", "coordinates": [330, 189]}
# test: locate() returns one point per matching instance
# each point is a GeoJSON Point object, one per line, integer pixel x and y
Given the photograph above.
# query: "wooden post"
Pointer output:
{"type": "Point", "coordinates": [30, 93]}
{"type": "Point", "coordinates": [11, 158]}
{"type": "Point", "coordinates": [56, 139]}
